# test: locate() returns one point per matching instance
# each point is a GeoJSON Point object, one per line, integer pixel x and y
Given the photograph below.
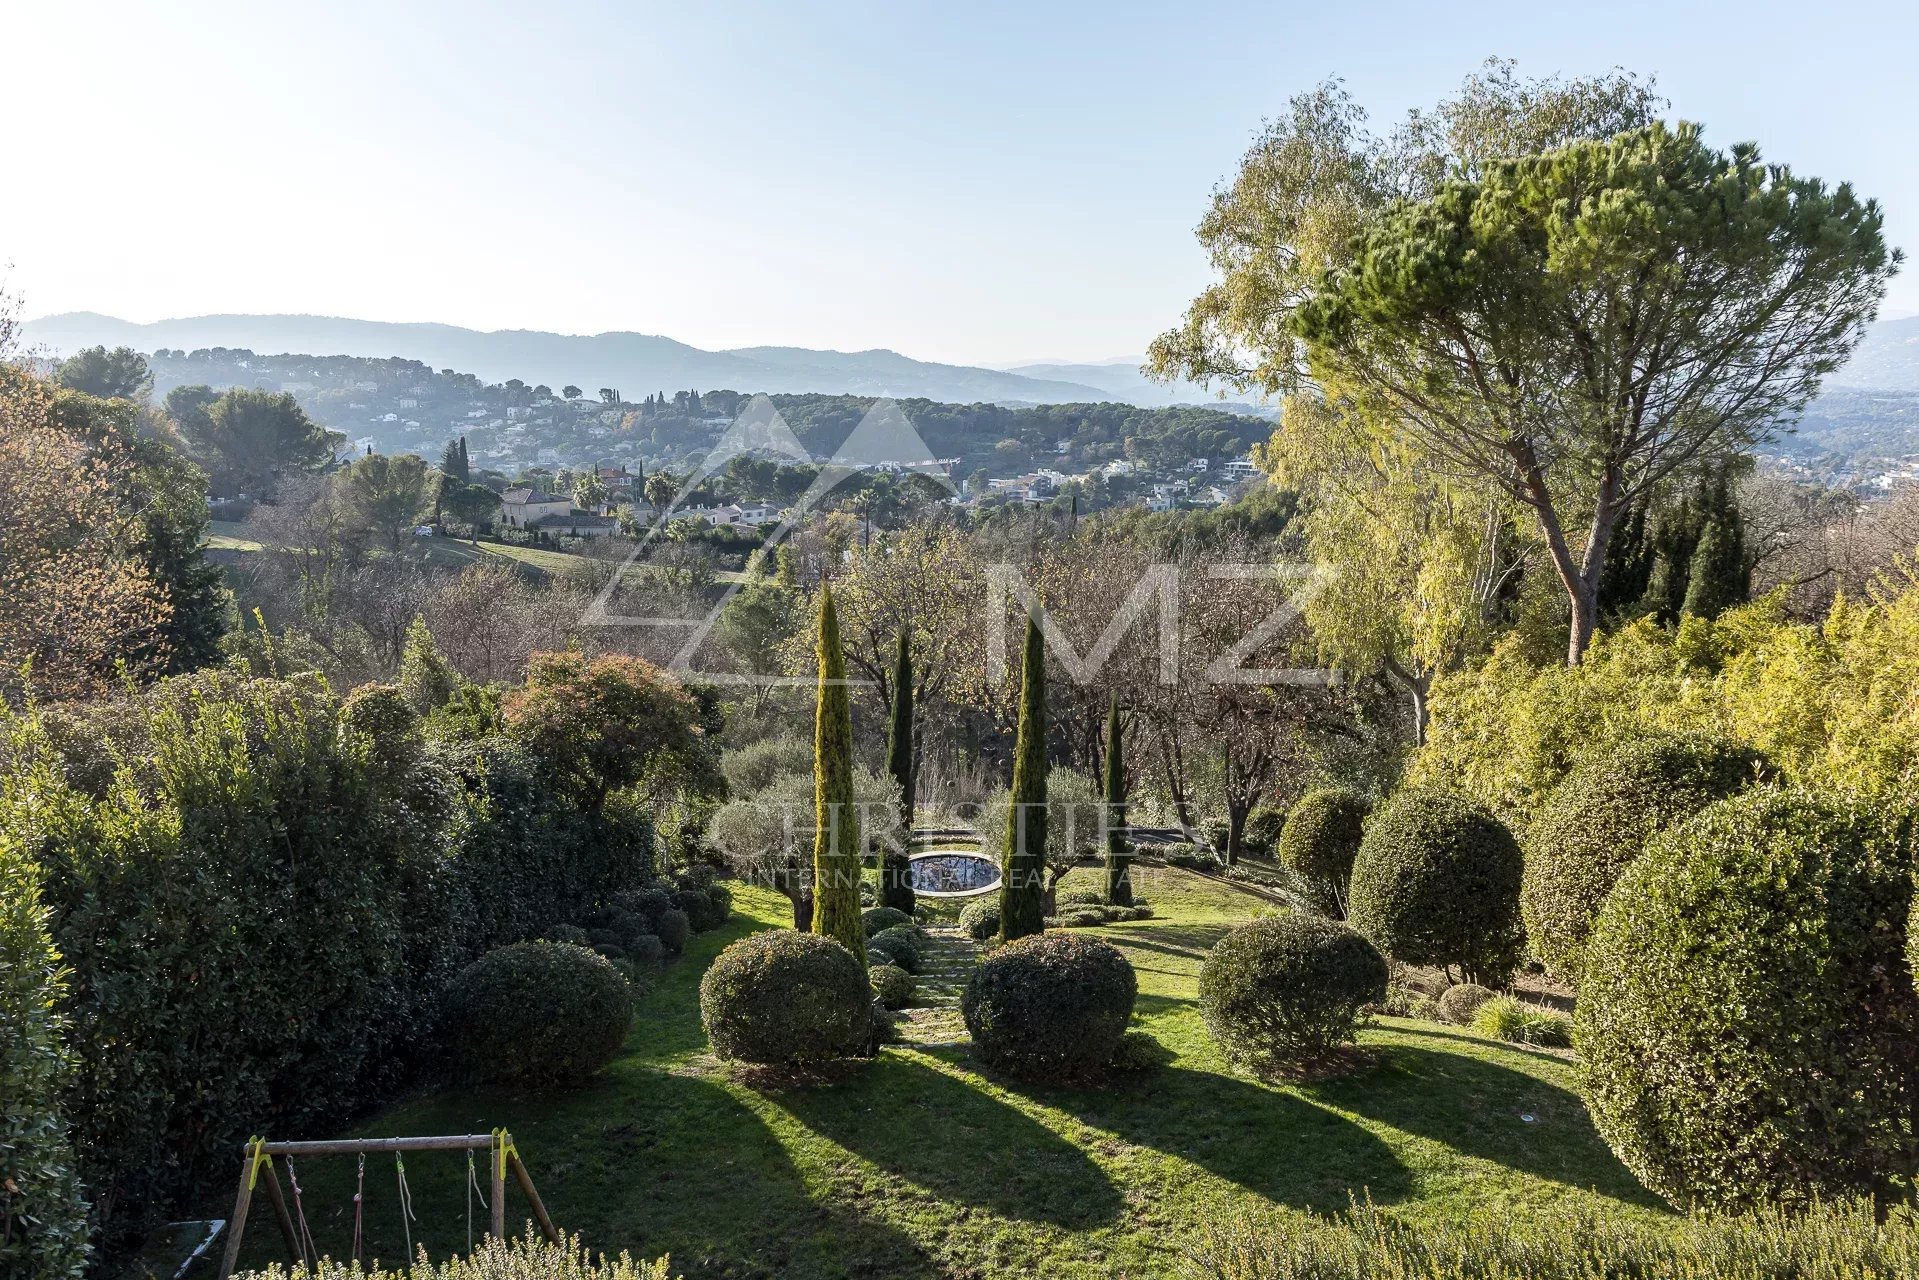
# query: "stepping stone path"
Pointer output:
{"type": "Point", "coordinates": [946, 961]}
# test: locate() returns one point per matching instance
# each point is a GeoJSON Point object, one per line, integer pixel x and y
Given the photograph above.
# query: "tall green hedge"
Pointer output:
{"type": "Point", "coordinates": [1748, 1021]}
{"type": "Point", "coordinates": [1436, 881]}
{"type": "Point", "coordinates": [262, 894]}
{"type": "Point", "coordinates": [43, 1217]}
{"type": "Point", "coordinates": [1598, 819]}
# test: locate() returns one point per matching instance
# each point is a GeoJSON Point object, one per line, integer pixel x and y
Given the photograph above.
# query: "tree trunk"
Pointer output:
{"type": "Point", "coordinates": [1236, 814]}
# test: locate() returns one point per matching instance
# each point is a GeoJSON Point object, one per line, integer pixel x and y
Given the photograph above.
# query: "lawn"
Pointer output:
{"type": "Point", "coordinates": [917, 1164]}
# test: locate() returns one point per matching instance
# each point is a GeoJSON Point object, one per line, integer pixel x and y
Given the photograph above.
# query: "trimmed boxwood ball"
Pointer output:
{"type": "Point", "coordinates": [537, 1013]}
{"type": "Point", "coordinates": [1263, 826]}
{"type": "Point", "coordinates": [703, 915]}
{"type": "Point", "coordinates": [672, 929]}
{"type": "Point", "coordinates": [1748, 1024]}
{"type": "Point", "coordinates": [1437, 882]}
{"type": "Point", "coordinates": [1598, 819]}
{"type": "Point", "coordinates": [1458, 1004]}
{"type": "Point", "coordinates": [892, 984]}
{"type": "Point", "coordinates": [784, 998]}
{"type": "Point", "coordinates": [878, 918]}
{"type": "Point", "coordinates": [896, 947]}
{"type": "Point", "coordinates": [980, 919]}
{"type": "Point", "coordinates": [1282, 994]}
{"type": "Point", "coordinates": [1049, 1005]}
{"type": "Point", "coordinates": [1318, 842]}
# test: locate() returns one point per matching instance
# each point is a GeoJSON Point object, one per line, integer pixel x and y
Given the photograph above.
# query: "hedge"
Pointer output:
{"type": "Point", "coordinates": [785, 998]}
{"type": "Point", "coordinates": [1598, 819]}
{"type": "Point", "coordinates": [1318, 843]}
{"type": "Point", "coordinates": [1284, 993]}
{"type": "Point", "coordinates": [1436, 882]}
{"type": "Point", "coordinates": [538, 1013]}
{"type": "Point", "coordinates": [40, 1197]}
{"type": "Point", "coordinates": [1749, 1024]}
{"type": "Point", "coordinates": [1050, 1005]}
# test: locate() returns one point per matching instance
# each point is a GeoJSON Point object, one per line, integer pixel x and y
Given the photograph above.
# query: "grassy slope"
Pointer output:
{"type": "Point", "coordinates": [918, 1165]}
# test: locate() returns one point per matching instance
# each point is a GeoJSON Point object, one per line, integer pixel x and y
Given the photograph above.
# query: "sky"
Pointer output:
{"type": "Point", "coordinates": [975, 183]}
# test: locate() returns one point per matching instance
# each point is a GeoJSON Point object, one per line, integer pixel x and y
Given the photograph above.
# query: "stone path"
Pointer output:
{"type": "Point", "coordinates": [946, 961]}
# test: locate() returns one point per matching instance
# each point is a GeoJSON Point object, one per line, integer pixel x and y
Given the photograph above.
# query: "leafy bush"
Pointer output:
{"type": "Point", "coordinates": [1263, 827]}
{"type": "Point", "coordinates": [702, 913]}
{"type": "Point", "coordinates": [528, 1258]}
{"type": "Point", "coordinates": [1598, 819]}
{"type": "Point", "coordinates": [1505, 1018]}
{"type": "Point", "coordinates": [1458, 1004]}
{"type": "Point", "coordinates": [1749, 1025]}
{"type": "Point", "coordinates": [1437, 882]}
{"type": "Point", "coordinates": [896, 950]}
{"type": "Point", "coordinates": [40, 1197]}
{"type": "Point", "coordinates": [878, 918]}
{"type": "Point", "coordinates": [1318, 843]}
{"type": "Point", "coordinates": [647, 951]}
{"type": "Point", "coordinates": [1080, 898]}
{"type": "Point", "coordinates": [672, 930]}
{"type": "Point", "coordinates": [784, 998]}
{"type": "Point", "coordinates": [1191, 857]}
{"type": "Point", "coordinates": [567, 933]}
{"type": "Point", "coordinates": [980, 918]}
{"type": "Point", "coordinates": [1083, 919]}
{"type": "Point", "coordinates": [1591, 1239]}
{"type": "Point", "coordinates": [537, 1013]}
{"type": "Point", "coordinates": [1050, 1005]}
{"type": "Point", "coordinates": [892, 984]}
{"type": "Point", "coordinates": [1282, 994]}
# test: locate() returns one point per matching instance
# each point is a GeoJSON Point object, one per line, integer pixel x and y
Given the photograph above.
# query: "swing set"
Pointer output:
{"type": "Point", "coordinates": [257, 1164]}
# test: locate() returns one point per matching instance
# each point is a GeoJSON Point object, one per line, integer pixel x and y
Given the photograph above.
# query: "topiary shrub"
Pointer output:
{"type": "Point", "coordinates": [1050, 1005]}
{"type": "Point", "coordinates": [537, 1013]}
{"type": "Point", "coordinates": [1749, 1027]}
{"type": "Point", "coordinates": [1505, 1018]}
{"type": "Point", "coordinates": [1437, 882]}
{"type": "Point", "coordinates": [1318, 842]}
{"type": "Point", "coordinates": [647, 951]}
{"type": "Point", "coordinates": [1084, 919]}
{"type": "Point", "coordinates": [786, 999]}
{"type": "Point", "coordinates": [878, 918]}
{"type": "Point", "coordinates": [897, 947]}
{"type": "Point", "coordinates": [568, 933]}
{"type": "Point", "coordinates": [1282, 995]}
{"type": "Point", "coordinates": [1070, 898]}
{"type": "Point", "coordinates": [980, 919]}
{"type": "Point", "coordinates": [702, 913]}
{"type": "Point", "coordinates": [1458, 1004]}
{"type": "Point", "coordinates": [892, 984]}
{"type": "Point", "coordinates": [647, 901]}
{"type": "Point", "coordinates": [1263, 826]}
{"type": "Point", "coordinates": [1598, 819]}
{"type": "Point", "coordinates": [672, 928]}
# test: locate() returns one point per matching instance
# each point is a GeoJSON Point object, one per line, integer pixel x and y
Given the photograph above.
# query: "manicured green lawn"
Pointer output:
{"type": "Point", "coordinates": [917, 1164]}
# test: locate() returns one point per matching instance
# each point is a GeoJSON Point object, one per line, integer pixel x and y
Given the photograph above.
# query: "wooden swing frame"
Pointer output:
{"type": "Point", "coordinates": [257, 1159]}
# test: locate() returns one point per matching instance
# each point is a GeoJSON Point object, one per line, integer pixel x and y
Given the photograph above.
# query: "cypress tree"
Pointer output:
{"type": "Point", "coordinates": [896, 886]}
{"type": "Point", "coordinates": [1717, 578]}
{"type": "Point", "coordinates": [1119, 863]}
{"type": "Point", "coordinates": [836, 843]}
{"type": "Point", "coordinates": [1023, 865]}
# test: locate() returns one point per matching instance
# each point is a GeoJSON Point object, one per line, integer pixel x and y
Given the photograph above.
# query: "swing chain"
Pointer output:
{"type": "Point", "coordinates": [359, 1205]}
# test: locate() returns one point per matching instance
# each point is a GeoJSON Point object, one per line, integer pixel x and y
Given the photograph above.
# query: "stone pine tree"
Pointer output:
{"type": "Point", "coordinates": [896, 885]}
{"type": "Point", "coordinates": [1119, 862]}
{"type": "Point", "coordinates": [836, 842]}
{"type": "Point", "coordinates": [1023, 864]}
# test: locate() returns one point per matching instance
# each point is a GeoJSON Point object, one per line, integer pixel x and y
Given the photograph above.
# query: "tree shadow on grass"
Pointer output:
{"type": "Point", "coordinates": [1271, 1142]}
{"type": "Point", "coordinates": [1478, 1107]}
{"type": "Point", "coordinates": [640, 1160]}
{"type": "Point", "coordinates": [1188, 942]}
{"type": "Point", "coordinates": [960, 1144]}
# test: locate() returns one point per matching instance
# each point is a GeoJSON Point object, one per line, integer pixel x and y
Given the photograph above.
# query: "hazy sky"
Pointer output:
{"type": "Point", "coordinates": [968, 182]}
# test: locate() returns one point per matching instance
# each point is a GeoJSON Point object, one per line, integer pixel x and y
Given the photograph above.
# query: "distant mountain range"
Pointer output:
{"type": "Point", "coordinates": [636, 364]}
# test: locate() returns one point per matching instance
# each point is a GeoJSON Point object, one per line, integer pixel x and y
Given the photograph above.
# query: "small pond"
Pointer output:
{"type": "Point", "coordinates": [953, 873]}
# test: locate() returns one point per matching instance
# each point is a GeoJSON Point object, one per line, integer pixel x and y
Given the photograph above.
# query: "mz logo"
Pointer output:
{"type": "Point", "coordinates": [1156, 593]}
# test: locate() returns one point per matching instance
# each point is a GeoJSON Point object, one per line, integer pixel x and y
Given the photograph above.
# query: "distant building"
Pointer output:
{"type": "Point", "coordinates": [525, 508]}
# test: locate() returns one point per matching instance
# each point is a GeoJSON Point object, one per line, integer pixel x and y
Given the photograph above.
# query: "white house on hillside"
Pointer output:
{"type": "Point", "coordinates": [521, 508]}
